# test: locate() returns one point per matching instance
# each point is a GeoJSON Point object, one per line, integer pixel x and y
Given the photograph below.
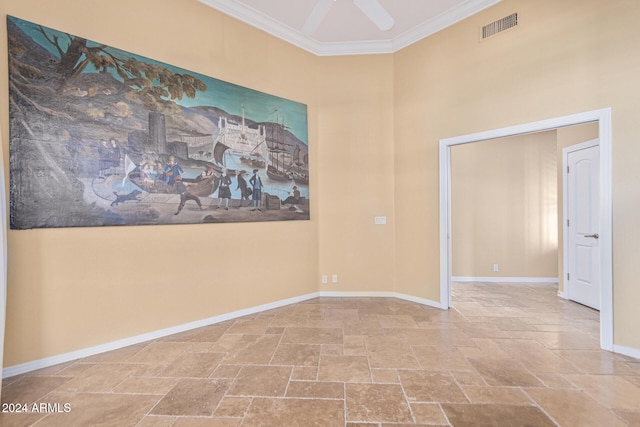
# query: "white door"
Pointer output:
{"type": "Point", "coordinates": [583, 275]}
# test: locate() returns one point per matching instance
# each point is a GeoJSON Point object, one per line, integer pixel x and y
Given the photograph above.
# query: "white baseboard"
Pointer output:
{"type": "Point", "coordinates": [563, 295]}
{"type": "Point", "coordinates": [505, 279]}
{"type": "Point", "coordinates": [398, 295]}
{"type": "Point", "coordinates": [114, 345]}
{"type": "Point", "coordinates": [627, 351]}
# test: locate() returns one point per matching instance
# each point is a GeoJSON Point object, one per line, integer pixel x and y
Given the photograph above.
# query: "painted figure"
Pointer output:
{"type": "Point", "coordinates": [172, 171]}
{"type": "Point", "coordinates": [245, 191]}
{"type": "Point", "coordinates": [294, 197]}
{"type": "Point", "coordinates": [256, 185]}
{"type": "Point", "coordinates": [185, 195]}
{"type": "Point", "coordinates": [224, 191]}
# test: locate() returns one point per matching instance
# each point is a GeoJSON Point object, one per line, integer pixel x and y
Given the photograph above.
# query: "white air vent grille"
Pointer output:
{"type": "Point", "coordinates": [499, 26]}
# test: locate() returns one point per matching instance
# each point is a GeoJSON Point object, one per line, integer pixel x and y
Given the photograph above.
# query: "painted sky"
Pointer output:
{"type": "Point", "coordinates": [259, 106]}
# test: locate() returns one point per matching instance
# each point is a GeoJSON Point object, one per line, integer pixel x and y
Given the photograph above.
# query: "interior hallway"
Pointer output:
{"type": "Point", "coordinates": [506, 354]}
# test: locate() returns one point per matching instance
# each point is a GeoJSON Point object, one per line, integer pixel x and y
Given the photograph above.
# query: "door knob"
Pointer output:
{"type": "Point", "coordinates": [595, 235]}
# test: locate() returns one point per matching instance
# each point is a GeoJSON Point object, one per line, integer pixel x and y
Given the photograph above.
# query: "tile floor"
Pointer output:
{"type": "Point", "coordinates": [505, 355]}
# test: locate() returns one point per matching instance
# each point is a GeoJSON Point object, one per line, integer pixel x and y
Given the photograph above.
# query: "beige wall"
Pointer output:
{"type": "Point", "coordinates": [355, 130]}
{"type": "Point", "coordinates": [504, 207]}
{"type": "Point", "coordinates": [374, 126]}
{"type": "Point", "coordinates": [552, 65]}
{"type": "Point", "coordinates": [567, 136]}
{"type": "Point", "coordinates": [70, 289]}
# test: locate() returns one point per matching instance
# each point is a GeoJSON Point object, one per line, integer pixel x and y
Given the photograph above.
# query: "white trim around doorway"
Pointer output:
{"type": "Point", "coordinates": [603, 118]}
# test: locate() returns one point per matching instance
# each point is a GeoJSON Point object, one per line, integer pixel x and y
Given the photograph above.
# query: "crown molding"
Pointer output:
{"type": "Point", "coordinates": [265, 23]}
{"type": "Point", "coordinates": [440, 22]}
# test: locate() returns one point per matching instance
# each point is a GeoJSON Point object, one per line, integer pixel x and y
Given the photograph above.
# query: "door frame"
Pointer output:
{"type": "Point", "coordinates": [566, 291]}
{"type": "Point", "coordinates": [603, 118]}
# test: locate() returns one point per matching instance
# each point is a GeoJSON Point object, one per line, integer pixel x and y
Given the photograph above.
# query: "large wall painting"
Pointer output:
{"type": "Point", "coordinates": [100, 136]}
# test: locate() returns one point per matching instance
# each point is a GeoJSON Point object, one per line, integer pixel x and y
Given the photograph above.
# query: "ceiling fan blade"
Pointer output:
{"type": "Point", "coordinates": [317, 15]}
{"type": "Point", "coordinates": [374, 11]}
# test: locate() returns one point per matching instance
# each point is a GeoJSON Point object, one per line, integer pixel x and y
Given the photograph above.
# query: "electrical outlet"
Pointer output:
{"type": "Point", "coordinates": [324, 278]}
{"type": "Point", "coordinates": [334, 278]}
{"type": "Point", "coordinates": [495, 267]}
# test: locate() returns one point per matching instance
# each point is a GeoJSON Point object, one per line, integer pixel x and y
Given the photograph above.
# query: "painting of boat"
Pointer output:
{"type": "Point", "coordinates": [199, 186]}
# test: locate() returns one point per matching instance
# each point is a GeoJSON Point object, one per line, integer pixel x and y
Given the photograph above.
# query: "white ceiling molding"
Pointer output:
{"type": "Point", "coordinates": [296, 37]}
{"type": "Point", "coordinates": [441, 22]}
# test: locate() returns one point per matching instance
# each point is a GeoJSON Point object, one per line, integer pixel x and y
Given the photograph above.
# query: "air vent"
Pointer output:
{"type": "Point", "coordinates": [499, 26]}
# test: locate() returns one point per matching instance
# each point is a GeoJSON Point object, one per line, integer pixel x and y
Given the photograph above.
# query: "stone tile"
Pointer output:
{"type": "Point", "coordinates": [377, 402]}
{"type": "Point", "coordinates": [331, 349]}
{"type": "Point", "coordinates": [156, 421]}
{"type": "Point", "coordinates": [234, 407]}
{"type": "Point", "coordinates": [101, 377]}
{"type": "Point", "coordinates": [344, 369]}
{"type": "Point", "coordinates": [632, 418]}
{"type": "Point", "coordinates": [192, 397]}
{"type": "Point", "coordinates": [441, 358]}
{"type": "Point", "coordinates": [253, 350]}
{"type": "Point", "coordinates": [312, 335]}
{"type": "Point", "coordinates": [553, 380]}
{"type": "Point", "coordinates": [450, 336]}
{"type": "Point", "coordinates": [431, 386]}
{"type": "Point", "coordinates": [428, 413]}
{"type": "Point", "coordinates": [159, 353]}
{"type": "Point", "coordinates": [304, 373]}
{"type": "Point", "coordinates": [199, 347]}
{"type": "Point", "coordinates": [535, 357]}
{"type": "Point", "coordinates": [468, 378]}
{"type": "Point", "coordinates": [354, 346]}
{"type": "Point", "coordinates": [403, 321]}
{"type": "Point", "coordinates": [88, 409]}
{"type": "Point", "coordinates": [297, 355]}
{"type": "Point", "coordinates": [301, 362]}
{"type": "Point", "coordinates": [115, 356]}
{"type": "Point", "coordinates": [295, 412]}
{"type": "Point", "coordinates": [595, 362]}
{"type": "Point", "coordinates": [487, 415]}
{"type": "Point", "coordinates": [289, 319]}
{"type": "Point", "coordinates": [506, 395]}
{"type": "Point", "coordinates": [261, 381]}
{"type": "Point", "coordinates": [559, 340]}
{"type": "Point", "coordinates": [391, 352]}
{"type": "Point", "coordinates": [249, 327]}
{"type": "Point", "coordinates": [204, 334]}
{"type": "Point", "coordinates": [344, 314]}
{"type": "Point", "coordinates": [146, 385]}
{"type": "Point", "coordinates": [369, 327]}
{"type": "Point", "coordinates": [207, 422]}
{"type": "Point", "coordinates": [610, 391]}
{"type": "Point", "coordinates": [504, 372]}
{"type": "Point", "coordinates": [225, 343]}
{"type": "Point", "coordinates": [19, 419]}
{"type": "Point", "coordinates": [316, 389]}
{"type": "Point", "coordinates": [226, 371]}
{"type": "Point", "coordinates": [573, 407]}
{"type": "Point", "coordinates": [72, 370]}
{"type": "Point", "coordinates": [195, 365]}
{"type": "Point", "coordinates": [31, 389]}
{"type": "Point", "coordinates": [384, 376]}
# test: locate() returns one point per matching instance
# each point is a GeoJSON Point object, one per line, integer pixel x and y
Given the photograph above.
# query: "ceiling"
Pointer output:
{"type": "Point", "coordinates": [341, 27]}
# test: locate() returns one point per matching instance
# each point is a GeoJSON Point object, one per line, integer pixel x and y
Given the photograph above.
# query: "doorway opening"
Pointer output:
{"type": "Point", "coordinates": [603, 118]}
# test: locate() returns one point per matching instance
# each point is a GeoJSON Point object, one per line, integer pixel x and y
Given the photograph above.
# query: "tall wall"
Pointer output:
{"type": "Point", "coordinates": [355, 127]}
{"type": "Point", "coordinates": [504, 207]}
{"type": "Point", "coordinates": [553, 64]}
